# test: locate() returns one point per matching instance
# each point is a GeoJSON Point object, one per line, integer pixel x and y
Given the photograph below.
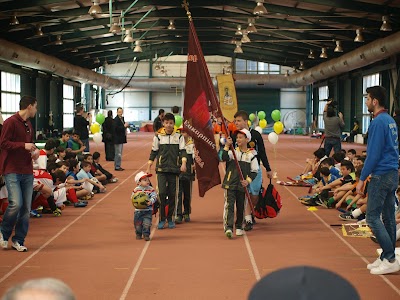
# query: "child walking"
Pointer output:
{"type": "Point", "coordinates": [234, 187]}
{"type": "Point", "coordinates": [169, 149]}
{"type": "Point", "coordinates": [142, 217]}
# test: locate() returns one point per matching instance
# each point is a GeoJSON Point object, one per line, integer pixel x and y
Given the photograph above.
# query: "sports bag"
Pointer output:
{"type": "Point", "coordinates": [269, 203]}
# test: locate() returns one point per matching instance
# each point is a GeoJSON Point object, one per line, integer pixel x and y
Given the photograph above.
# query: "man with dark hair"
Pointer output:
{"type": "Point", "coordinates": [108, 139]}
{"type": "Point", "coordinates": [119, 127]}
{"type": "Point", "coordinates": [157, 124]}
{"type": "Point", "coordinates": [382, 164]}
{"type": "Point", "coordinates": [333, 129]}
{"type": "Point", "coordinates": [81, 126]}
{"type": "Point", "coordinates": [175, 110]}
{"type": "Point", "coordinates": [17, 152]}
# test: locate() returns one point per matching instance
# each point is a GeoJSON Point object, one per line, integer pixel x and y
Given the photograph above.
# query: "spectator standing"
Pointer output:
{"type": "Point", "coordinates": [17, 152]}
{"type": "Point", "coordinates": [108, 136]}
{"type": "Point", "coordinates": [382, 164]}
{"type": "Point", "coordinates": [333, 128]}
{"type": "Point", "coordinates": [157, 124]}
{"type": "Point", "coordinates": [119, 127]}
{"type": "Point", "coordinates": [81, 126]}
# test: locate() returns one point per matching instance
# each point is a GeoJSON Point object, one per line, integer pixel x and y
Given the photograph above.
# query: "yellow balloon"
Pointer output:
{"type": "Point", "coordinates": [249, 123]}
{"type": "Point", "coordinates": [262, 123]}
{"type": "Point", "coordinates": [278, 127]}
{"type": "Point", "coordinates": [95, 128]}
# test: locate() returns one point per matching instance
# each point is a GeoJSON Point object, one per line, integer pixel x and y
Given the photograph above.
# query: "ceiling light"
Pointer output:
{"type": "Point", "coordinates": [227, 70]}
{"type": "Point", "coordinates": [385, 25]}
{"type": "Point", "coordinates": [39, 31]}
{"type": "Point", "coordinates": [157, 67]}
{"type": "Point", "coordinates": [162, 70]}
{"type": "Point", "coordinates": [311, 55]}
{"type": "Point", "coordinates": [245, 37]}
{"type": "Point", "coordinates": [14, 20]}
{"type": "Point", "coordinates": [138, 48]}
{"type": "Point", "coordinates": [323, 53]}
{"type": "Point", "coordinates": [74, 50]}
{"type": "Point", "coordinates": [260, 8]}
{"type": "Point", "coordinates": [128, 37]}
{"type": "Point", "coordinates": [58, 41]}
{"type": "Point", "coordinates": [115, 28]}
{"type": "Point", "coordinates": [238, 48]}
{"type": "Point", "coordinates": [95, 8]}
{"type": "Point", "coordinates": [239, 30]}
{"type": "Point", "coordinates": [171, 25]}
{"type": "Point", "coordinates": [359, 37]}
{"type": "Point", "coordinates": [338, 47]}
{"type": "Point", "coordinates": [233, 41]}
{"type": "Point", "coordinates": [251, 27]}
{"type": "Point", "coordinates": [302, 67]}
{"type": "Point", "coordinates": [97, 60]}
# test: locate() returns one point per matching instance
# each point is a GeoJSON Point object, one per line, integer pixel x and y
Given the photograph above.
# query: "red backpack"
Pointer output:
{"type": "Point", "coordinates": [269, 203]}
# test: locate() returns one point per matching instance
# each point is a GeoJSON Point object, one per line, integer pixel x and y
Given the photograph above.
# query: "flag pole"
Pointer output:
{"type": "Point", "coordinates": [214, 101]}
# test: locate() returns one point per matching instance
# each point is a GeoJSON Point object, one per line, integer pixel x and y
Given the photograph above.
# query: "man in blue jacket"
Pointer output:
{"type": "Point", "coordinates": [382, 164]}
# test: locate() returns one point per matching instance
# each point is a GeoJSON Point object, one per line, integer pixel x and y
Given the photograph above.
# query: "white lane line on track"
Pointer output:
{"type": "Point", "coordinates": [136, 268]}
{"type": "Point", "coordinates": [252, 259]}
{"type": "Point", "coordinates": [17, 267]}
{"type": "Point", "coordinates": [387, 281]}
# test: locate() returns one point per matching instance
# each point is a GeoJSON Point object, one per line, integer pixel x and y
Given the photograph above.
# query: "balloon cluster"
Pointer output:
{"type": "Point", "coordinates": [95, 128]}
{"type": "Point", "coordinates": [278, 127]}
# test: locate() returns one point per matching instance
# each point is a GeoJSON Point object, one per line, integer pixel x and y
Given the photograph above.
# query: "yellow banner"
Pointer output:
{"type": "Point", "coordinates": [227, 96]}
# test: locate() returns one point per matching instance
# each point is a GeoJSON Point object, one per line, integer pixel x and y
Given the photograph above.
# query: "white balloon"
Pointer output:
{"type": "Point", "coordinates": [222, 141]}
{"type": "Point", "coordinates": [259, 129]}
{"type": "Point", "coordinates": [273, 138]}
{"type": "Point", "coordinates": [97, 138]}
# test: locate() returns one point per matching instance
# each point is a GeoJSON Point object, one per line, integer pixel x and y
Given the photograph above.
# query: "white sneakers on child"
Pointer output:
{"type": "Point", "coordinates": [384, 267]}
{"type": "Point", "coordinates": [3, 243]}
{"type": "Point", "coordinates": [20, 248]}
{"type": "Point", "coordinates": [239, 232]}
{"type": "Point", "coordinates": [228, 233]}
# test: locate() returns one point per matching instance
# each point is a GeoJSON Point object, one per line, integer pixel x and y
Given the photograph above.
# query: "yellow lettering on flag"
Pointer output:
{"type": "Point", "coordinates": [227, 96]}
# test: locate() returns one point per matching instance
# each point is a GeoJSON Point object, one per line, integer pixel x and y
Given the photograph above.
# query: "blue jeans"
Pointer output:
{"type": "Point", "coordinates": [118, 155]}
{"type": "Point", "coordinates": [330, 143]}
{"type": "Point", "coordinates": [20, 188]}
{"type": "Point", "coordinates": [381, 200]}
{"type": "Point", "coordinates": [255, 185]}
{"type": "Point", "coordinates": [142, 221]}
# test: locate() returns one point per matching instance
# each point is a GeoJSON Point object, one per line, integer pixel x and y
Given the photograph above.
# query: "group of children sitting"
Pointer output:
{"type": "Point", "coordinates": [63, 177]}
{"type": "Point", "coordinates": [335, 179]}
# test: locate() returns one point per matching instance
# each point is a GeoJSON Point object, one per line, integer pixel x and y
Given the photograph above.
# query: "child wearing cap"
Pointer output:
{"type": "Point", "coordinates": [234, 187]}
{"type": "Point", "coordinates": [142, 217]}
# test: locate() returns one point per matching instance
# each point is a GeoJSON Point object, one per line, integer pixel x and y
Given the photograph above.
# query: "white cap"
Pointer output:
{"type": "Point", "coordinates": [139, 176]}
{"type": "Point", "coordinates": [246, 133]}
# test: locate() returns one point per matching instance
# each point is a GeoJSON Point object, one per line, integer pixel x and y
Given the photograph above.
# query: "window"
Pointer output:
{"type": "Point", "coordinates": [322, 96]}
{"type": "Point", "coordinates": [255, 67]}
{"type": "Point", "coordinates": [10, 94]}
{"type": "Point", "coordinates": [68, 106]}
{"type": "Point", "coordinates": [368, 81]}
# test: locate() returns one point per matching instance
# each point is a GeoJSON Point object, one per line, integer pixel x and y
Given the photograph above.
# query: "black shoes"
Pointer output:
{"type": "Point", "coordinates": [120, 169]}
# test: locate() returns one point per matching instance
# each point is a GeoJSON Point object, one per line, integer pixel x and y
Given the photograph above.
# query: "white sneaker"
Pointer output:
{"type": "Point", "coordinates": [228, 233]}
{"type": "Point", "coordinates": [375, 264]}
{"type": "Point", "coordinates": [386, 267]}
{"type": "Point", "coordinates": [19, 248]}
{"type": "Point", "coordinates": [239, 232]}
{"type": "Point", "coordinates": [3, 243]}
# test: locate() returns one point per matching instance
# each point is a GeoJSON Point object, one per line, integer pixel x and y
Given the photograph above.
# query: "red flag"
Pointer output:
{"type": "Point", "coordinates": [199, 91]}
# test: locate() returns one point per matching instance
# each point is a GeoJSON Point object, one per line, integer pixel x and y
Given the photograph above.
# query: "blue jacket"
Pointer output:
{"type": "Point", "coordinates": [382, 148]}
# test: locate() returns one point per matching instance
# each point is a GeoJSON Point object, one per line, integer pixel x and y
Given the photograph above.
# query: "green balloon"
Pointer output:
{"type": "Point", "coordinates": [178, 121]}
{"type": "Point", "coordinates": [276, 115]}
{"type": "Point", "coordinates": [252, 117]}
{"type": "Point", "coordinates": [100, 118]}
{"type": "Point", "coordinates": [261, 115]}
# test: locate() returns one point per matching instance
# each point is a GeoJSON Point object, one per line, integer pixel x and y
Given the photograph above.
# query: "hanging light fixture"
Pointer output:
{"type": "Point", "coordinates": [128, 37]}
{"type": "Point", "coordinates": [138, 48]}
{"type": "Point", "coordinates": [239, 30]}
{"type": "Point", "coordinates": [251, 27]}
{"type": "Point", "coordinates": [302, 67]}
{"type": "Point", "coordinates": [115, 28]}
{"type": "Point", "coordinates": [323, 53]}
{"type": "Point", "coordinates": [238, 48]}
{"type": "Point", "coordinates": [245, 37]}
{"type": "Point", "coordinates": [385, 25]}
{"type": "Point", "coordinates": [157, 67]}
{"type": "Point", "coordinates": [338, 47]}
{"type": "Point", "coordinates": [95, 8]}
{"type": "Point", "coordinates": [14, 20]}
{"type": "Point", "coordinates": [171, 25]}
{"type": "Point", "coordinates": [58, 41]}
{"type": "Point", "coordinates": [39, 31]}
{"type": "Point", "coordinates": [74, 50]}
{"type": "Point", "coordinates": [311, 55]}
{"type": "Point", "coordinates": [97, 60]}
{"type": "Point", "coordinates": [260, 8]}
{"type": "Point", "coordinates": [359, 37]}
{"type": "Point", "coordinates": [228, 69]}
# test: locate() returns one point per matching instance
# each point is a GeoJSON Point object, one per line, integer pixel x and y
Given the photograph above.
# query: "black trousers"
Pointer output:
{"type": "Point", "coordinates": [232, 197]}
{"type": "Point", "coordinates": [109, 150]}
{"type": "Point", "coordinates": [184, 197]}
{"type": "Point", "coordinates": [168, 188]}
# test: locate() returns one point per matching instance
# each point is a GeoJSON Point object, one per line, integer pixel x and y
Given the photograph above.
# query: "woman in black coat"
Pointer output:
{"type": "Point", "coordinates": [108, 139]}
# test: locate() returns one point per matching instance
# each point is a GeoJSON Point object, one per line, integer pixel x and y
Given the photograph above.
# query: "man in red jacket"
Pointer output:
{"type": "Point", "coordinates": [17, 152]}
